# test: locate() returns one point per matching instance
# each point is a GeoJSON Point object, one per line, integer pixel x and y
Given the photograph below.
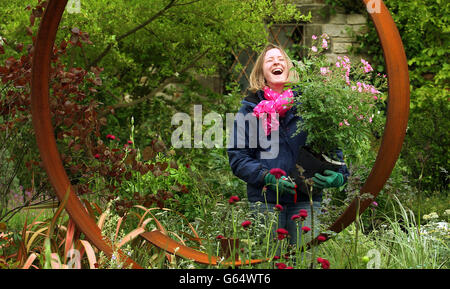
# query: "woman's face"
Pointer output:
{"type": "Point", "coordinates": [275, 69]}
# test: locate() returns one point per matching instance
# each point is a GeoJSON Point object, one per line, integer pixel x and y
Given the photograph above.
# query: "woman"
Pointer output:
{"type": "Point", "coordinates": [267, 96]}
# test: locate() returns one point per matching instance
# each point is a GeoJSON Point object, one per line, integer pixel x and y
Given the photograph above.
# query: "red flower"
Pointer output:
{"type": "Point", "coordinates": [246, 224]}
{"type": "Point", "coordinates": [295, 217]}
{"type": "Point", "coordinates": [303, 213]}
{"type": "Point", "coordinates": [110, 136]}
{"type": "Point", "coordinates": [321, 238]}
{"type": "Point", "coordinates": [276, 257]}
{"type": "Point", "coordinates": [324, 263]}
{"type": "Point", "coordinates": [277, 172]}
{"type": "Point", "coordinates": [282, 233]}
{"type": "Point", "coordinates": [280, 265]}
{"type": "Point", "coordinates": [219, 237]}
{"type": "Point", "coordinates": [279, 207]}
{"type": "Point", "coordinates": [233, 199]}
{"type": "Point", "coordinates": [306, 229]}
{"type": "Point", "coordinates": [97, 156]}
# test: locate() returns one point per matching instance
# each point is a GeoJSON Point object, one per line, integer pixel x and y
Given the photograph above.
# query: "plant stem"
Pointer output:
{"type": "Point", "coordinates": [358, 203]}
{"type": "Point", "coordinates": [311, 204]}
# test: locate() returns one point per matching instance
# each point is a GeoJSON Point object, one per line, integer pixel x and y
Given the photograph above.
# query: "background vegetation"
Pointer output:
{"type": "Point", "coordinates": [122, 70]}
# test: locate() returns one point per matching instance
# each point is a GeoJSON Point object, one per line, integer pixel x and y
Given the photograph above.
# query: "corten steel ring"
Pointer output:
{"type": "Point", "coordinates": [394, 132]}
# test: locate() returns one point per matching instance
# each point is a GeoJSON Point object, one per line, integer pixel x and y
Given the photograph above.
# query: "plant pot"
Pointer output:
{"type": "Point", "coordinates": [228, 246]}
{"type": "Point", "coordinates": [311, 163]}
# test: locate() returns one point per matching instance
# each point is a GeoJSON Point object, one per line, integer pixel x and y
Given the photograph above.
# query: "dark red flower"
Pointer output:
{"type": "Point", "coordinates": [324, 263]}
{"type": "Point", "coordinates": [233, 199]}
{"type": "Point", "coordinates": [306, 229]}
{"type": "Point", "coordinates": [130, 142]}
{"type": "Point", "coordinates": [279, 207]}
{"type": "Point", "coordinates": [110, 136]}
{"type": "Point", "coordinates": [277, 172]}
{"type": "Point", "coordinates": [303, 213]}
{"type": "Point", "coordinates": [282, 233]}
{"type": "Point", "coordinates": [219, 237]}
{"type": "Point", "coordinates": [246, 224]}
{"type": "Point", "coordinates": [321, 238]}
{"type": "Point", "coordinates": [280, 265]}
{"type": "Point", "coordinates": [97, 156]}
{"type": "Point", "coordinates": [295, 217]}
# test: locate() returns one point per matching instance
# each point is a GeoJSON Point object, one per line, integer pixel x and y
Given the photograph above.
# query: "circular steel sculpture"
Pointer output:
{"type": "Point", "coordinates": [394, 132]}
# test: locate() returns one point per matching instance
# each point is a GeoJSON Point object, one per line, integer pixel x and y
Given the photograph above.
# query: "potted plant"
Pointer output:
{"type": "Point", "coordinates": [341, 104]}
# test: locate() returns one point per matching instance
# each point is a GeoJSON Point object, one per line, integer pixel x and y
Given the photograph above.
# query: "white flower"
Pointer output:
{"type": "Point", "coordinates": [430, 216]}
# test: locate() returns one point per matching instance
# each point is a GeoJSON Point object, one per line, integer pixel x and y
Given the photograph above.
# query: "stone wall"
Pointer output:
{"type": "Point", "coordinates": [338, 26]}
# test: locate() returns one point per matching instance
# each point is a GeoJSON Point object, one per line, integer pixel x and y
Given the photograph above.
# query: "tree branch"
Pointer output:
{"type": "Point", "coordinates": [134, 30]}
{"type": "Point", "coordinates": [160, 87]}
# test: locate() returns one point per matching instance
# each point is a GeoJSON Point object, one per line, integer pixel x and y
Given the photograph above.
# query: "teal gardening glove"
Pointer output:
{"type": "Point", "coordinates": [331, 179]}
{"type": "Point", "coordinates": [284, 186]}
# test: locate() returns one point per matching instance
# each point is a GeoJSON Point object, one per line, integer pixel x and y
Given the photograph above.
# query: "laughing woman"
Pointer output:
{"type": "Point", "coordinates": [272, 105]}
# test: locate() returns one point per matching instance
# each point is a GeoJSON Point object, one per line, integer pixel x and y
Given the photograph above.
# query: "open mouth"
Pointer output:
{"type": "Point", "coordinates": [277, 71]}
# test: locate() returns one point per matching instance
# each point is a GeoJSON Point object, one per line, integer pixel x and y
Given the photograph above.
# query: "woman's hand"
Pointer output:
{"type": "Point", "coordinates": [284, 186]}
{"type": "Point", "coordinates": [332, 179]}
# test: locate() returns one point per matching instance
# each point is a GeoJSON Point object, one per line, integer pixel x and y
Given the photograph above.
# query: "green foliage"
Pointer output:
{"type": "Point", "coordinates": [423, 26]}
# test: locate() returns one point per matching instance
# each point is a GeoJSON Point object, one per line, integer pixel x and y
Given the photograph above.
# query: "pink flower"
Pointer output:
{"type": "Point", "coordinates": [324, 44]}
{"type": "Point", "coordinates": [324, 70]}
{"type": "Point", "coordinates": [130, 142]}
{"type": "Point", "coordinates": [341, 124]}
{"type": "Point", "coordinates": [277, 172]}
{"type": "Point", "coordinates": [246, 224]}
{"type": "Point", "coordinates": [314, 49]}
{"type": "Point", "coordinates": [306, 229]}
{"type": "Point", "coordinates": [346, 122]}
{"type": "Point", "coordinates": [233, 199]}
{"type": "Point", "coordinates": [279, 207]}
{"type": "Point", "coordinates": [314, 37]}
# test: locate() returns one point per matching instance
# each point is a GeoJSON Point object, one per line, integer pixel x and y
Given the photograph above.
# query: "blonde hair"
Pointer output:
{"type": "Point", "coordinates": [257, 80]}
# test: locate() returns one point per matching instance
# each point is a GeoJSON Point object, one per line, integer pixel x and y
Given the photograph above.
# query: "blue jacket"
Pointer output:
{"type": "Point", "coordinates": [247, 164]}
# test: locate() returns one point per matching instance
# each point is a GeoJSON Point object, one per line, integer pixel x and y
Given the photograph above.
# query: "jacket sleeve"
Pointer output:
{"type": "Point", "coordinates": [244, 161]}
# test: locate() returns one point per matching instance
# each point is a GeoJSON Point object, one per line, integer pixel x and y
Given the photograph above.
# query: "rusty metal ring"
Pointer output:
{"type": "Point", "coordinates": [394, 132]}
